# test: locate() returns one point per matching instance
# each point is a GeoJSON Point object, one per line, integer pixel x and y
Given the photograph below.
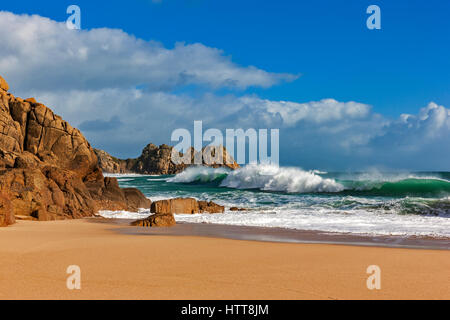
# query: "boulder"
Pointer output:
{"type": "Point", "coordinates": [185, 206]}
{"type": "Point", "coordinates": [178, 205]}
{"type": "Point", "coordinates": [156, 220]}
{"type": "Point", "coordinates": [238, 209]}
{"type": "Point", "coordinates": [135, 199]}
{"type": "Point", "coordinates": [210, 207]}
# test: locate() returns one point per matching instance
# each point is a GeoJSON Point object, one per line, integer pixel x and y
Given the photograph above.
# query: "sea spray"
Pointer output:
{"type": "Point", "coordinates": [199, 174]}
{"type": "Point", "coordinates": [274, 178]}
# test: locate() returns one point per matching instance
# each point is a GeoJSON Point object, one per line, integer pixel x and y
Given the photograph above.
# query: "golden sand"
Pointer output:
{"type": "Point", "coordinates": [34, 257]}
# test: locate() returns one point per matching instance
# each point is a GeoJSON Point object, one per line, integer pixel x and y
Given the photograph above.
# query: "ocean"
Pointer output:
{"type": "Point", "coordinates": [364, 203]}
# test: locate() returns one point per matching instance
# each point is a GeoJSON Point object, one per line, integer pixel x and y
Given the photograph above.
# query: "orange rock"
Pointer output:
{"type": "Point", "coordinates": [178, 205]}
{"type": "Point", "coordinates": [135, 199]}
{"type": "Point", "coordinates": [47, 167]}
{"type": "Point", "coordinates": [158, 160]}
{"type": "Point", "coordinates": [210, 207]}
{"type": "Point", "coordinates": [156, 220]}
{"type": "Point", "coordinates": [185, 206]}
{"type": "Point", "coordinates": [3, 84]}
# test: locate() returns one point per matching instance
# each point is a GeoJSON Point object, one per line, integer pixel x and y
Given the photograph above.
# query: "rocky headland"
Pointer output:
{"type": "Point", "coordinates": [158, 161]}
{"type": "Point", "coordinates": [48, 170]}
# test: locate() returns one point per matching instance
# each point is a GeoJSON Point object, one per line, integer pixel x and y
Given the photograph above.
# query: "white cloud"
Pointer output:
{"type": "Point", "coordinates": [39, 53]}
{"type": "Point", "coordinates": [341, 134]}
{"type": "Point", "coordinates": [119, 90]}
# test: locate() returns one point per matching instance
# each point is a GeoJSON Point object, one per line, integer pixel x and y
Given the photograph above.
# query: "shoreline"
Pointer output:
{"type": "Point", "coordinates": [115, 265]}
{"type": "Point", "coordinates": [284, 235]}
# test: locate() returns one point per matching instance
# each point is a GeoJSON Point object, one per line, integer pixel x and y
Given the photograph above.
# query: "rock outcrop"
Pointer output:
{"type": "Point", "coordinates": [210, 207]}
{"type": "Point", "coordinates": [158, 160]}
{"type": "Point", "coordinates": [110, 164]}
{"type": "Point", "coordinates": [165, 209]}
{"type": "Point", "coordinates": [48, 170]}
{"type": "Point", "coordinates": [178, 205]}
{"type": "Point", "coordinates": [185, 206]}
{"type": "Point", "coordinates": [156, 220]}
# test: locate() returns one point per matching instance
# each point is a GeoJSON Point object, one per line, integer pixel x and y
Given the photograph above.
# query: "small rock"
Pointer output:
{"type": "Point", "coordinates": [156, 220]}
{"type": "Point", "coordinates": [210, 207]}
{"type": "Point", "coordinates": [238, 209]}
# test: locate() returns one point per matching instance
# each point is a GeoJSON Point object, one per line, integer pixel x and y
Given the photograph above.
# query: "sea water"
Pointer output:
{"type": "Point", "coordinates": [373, 203]}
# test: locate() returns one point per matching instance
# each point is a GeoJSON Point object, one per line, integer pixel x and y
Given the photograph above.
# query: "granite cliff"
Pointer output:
{"type": "Point", "coordinates": [48, 170]}
{"type": "Point", "coordinates": [158, 160]}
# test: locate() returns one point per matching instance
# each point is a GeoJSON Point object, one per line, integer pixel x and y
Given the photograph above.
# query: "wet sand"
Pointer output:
{"type": "Point", "coordinates": [190, 262]}
{"type": "Point", "coordinates": [287, 235]}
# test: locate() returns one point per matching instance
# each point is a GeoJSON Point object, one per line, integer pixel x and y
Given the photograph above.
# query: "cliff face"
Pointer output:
{"type": "Point", "coordinates": [158, 160]}
{"type": "Point", "coordinates": [48, 170]}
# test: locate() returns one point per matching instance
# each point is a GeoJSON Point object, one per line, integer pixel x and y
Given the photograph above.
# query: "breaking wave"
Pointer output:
{"type": "Point", "coordinates": [296, 180]}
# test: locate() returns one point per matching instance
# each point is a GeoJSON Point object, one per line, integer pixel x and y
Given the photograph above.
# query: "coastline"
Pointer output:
{"type": "Point", "coordinates": [118, 265]}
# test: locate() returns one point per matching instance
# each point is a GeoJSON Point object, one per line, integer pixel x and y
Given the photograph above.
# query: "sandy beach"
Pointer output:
{"type": "Point", "coordinates": [114, 265]}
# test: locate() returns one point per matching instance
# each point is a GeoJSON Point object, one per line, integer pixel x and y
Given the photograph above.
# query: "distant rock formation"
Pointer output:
{"type": "Point", "coordinates": [110, 164]}
{"type": "Point", "coordinates": [158, 160]}
{"type": "Point", "coordinates": [48, 170]}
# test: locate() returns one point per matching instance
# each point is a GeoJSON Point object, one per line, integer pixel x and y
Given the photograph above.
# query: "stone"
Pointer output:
{"type": "Point", "coordinates": [210, 207]}
{"type": "Point", "coordinates": [238, 209]}
{"type": "Point", "coordinates": [156, 220]}
{"type": "Point", "coordinates": [136, 200]}
{"type": "Point", "coordinates": [185, 206]}
{"type": "Point", "coordinates": [178, 205]}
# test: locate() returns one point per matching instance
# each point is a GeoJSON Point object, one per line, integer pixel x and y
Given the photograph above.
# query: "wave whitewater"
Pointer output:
{"type": "Point", "coordinates": [295, 180]}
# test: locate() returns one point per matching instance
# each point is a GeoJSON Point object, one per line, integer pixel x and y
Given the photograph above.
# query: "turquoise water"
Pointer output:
{"type": "Point", "coordinates": [363, 203]}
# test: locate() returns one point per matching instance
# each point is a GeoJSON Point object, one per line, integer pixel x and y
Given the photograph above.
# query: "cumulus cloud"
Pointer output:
{"type": "Point", "coordinates": [328, 134]}
{"type": "Point", "coordinates": [119, 91]}
{"type": "Point", "coordinates": [39, 53]}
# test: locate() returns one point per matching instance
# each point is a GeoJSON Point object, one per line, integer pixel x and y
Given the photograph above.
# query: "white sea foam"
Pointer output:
{"type": "Point", "coordinates": [125, 214]}
{"type": "Point", "coordinates": [320, 219]}
{"type": "Point", "coordinates": [274, 178]}
{"type": "Point", "coordinates": [355, 221]}
{"type": "Point", "coordinates": [198, 173]}
{"type": "Point", "coordinates": [127, 175]}
{"type": "Point", "coordinates": [301, 205]}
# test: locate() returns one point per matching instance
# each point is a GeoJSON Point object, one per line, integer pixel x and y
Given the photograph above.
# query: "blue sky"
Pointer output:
{"type": "Point", "coordinates": [396, 70]}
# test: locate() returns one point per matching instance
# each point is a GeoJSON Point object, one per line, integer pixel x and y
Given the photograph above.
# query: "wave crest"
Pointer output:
{"type": "Point", "coordinates": [273, 178]}
{"type": "Point", "coordinates": [200, 174]}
